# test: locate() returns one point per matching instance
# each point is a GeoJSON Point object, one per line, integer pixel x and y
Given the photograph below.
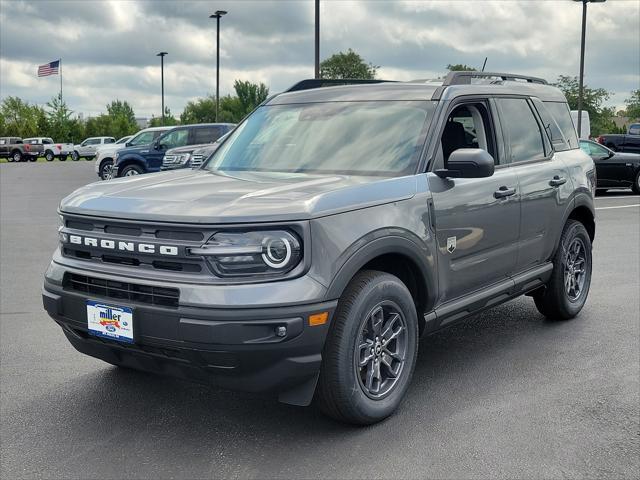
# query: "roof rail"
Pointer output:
{"type": "Point", "coordinates": [464, 78]}
{"type": "Point", "coordinates": [310, 83]}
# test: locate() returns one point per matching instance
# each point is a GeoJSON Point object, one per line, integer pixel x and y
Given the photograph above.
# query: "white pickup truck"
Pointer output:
{"type": "Point", "coordinates": [51, 149]}
{"type": "Point", "coordinates": [87, 149]}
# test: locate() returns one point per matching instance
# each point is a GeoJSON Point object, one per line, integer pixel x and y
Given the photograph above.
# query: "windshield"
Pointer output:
{"type": "Point", "coordinates": [351, 138]}
{"type": "Point", "coordinates": [123, 140]}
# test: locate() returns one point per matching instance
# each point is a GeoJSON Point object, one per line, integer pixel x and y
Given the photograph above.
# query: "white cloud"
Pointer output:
{"type": "Point", "coordinates": [109, 47]}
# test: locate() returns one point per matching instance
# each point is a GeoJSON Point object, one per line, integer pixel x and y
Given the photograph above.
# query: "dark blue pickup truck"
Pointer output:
{"type": "Point", "coordinates": [148, 158]}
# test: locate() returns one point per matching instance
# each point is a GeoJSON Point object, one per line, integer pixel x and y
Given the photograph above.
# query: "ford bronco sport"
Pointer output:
{"type": "Point", "coordinates": [327, 232]}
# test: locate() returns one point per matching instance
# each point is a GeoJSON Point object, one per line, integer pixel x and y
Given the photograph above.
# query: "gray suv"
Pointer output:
{"type": "Point", "coordinates": [331, 229]}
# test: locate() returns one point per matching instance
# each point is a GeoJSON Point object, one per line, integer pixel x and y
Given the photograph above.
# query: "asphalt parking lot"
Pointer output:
{"type": "Point", "coordinates": [506, 394]}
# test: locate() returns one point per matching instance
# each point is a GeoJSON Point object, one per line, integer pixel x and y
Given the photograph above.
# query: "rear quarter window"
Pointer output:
{"type": "Point", "coordinates": [561, 114]}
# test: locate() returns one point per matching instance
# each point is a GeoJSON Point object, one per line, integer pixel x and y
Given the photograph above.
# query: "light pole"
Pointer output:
{"type": "Point", "coordinates": [582, 41]}
{"type": "Point", "coordinates": [317, 40]}
{"type": "Point", "coordinates": [218, 15]}
{"type": "Point", "coordinates": [161, 55]}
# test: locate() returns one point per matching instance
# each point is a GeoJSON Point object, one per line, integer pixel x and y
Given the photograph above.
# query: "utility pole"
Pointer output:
{"type": "Point", "coordinates": [317, 40]}
{"type": "Point", "coordinates": [161, 55]}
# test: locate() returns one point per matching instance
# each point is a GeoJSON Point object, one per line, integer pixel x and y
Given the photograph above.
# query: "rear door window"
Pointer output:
{"type": "Point", "coordinates": [521, 130]}
{"type": "Point", "coordinates": [206, 135]}
{"type": "Point", "coordinates": [562, 116]}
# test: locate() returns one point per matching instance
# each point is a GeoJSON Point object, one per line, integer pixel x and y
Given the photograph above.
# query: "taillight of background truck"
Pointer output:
{"type": "Point", "coordinates": [600, 139]}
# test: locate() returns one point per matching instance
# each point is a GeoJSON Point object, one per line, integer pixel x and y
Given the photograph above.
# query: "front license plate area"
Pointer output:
{"type": "Point", "coordinates": [110, 321]}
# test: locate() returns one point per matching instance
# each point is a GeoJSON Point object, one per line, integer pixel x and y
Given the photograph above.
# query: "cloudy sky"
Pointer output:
{"type": "Point", "coordinates": [108, 47]}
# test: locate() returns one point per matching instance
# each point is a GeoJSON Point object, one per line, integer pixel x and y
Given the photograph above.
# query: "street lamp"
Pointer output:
{"type": "Point", "coordinates": [161, 55]}
{"type": "Point", "coordinates": [218, 15]}
{"type": "Point", "coordinates": [317, 40]}
{"type": "Point", "coordinates": [584, 29]}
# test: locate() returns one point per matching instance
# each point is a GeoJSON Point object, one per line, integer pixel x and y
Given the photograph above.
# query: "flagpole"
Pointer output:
{"type": "Point", "coordinates": [60, 60]}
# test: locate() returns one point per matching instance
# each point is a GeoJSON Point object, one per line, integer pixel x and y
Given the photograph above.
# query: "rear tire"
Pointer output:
{"type": "Point", "coordinates": [370, 353]}
{"type": "Point", "coordinates": [636, 184]}
{"type": "Point", "coordinates": [33, 159]}
{"type": "Point", "coordinates": [567, 290]}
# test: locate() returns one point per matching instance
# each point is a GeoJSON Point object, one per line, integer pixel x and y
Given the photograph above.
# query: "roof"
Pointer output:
{"type": "Point", "coordinates": [454, 85]}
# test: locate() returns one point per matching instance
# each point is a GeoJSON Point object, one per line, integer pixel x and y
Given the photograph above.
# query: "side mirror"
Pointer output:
{"type": "Point", "coordinates": [127, 144]}
{"type": "Point", "coordinates": [468, 163]}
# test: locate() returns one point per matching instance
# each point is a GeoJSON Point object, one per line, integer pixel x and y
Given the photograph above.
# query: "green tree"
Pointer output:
{"type": "Point", "coordinates": [201, 110]}
{"type": "Point", "coordinates": [460, 67]}
{"type": "Point", "coordinates": [633, 105]}
{"type": "Point", "coordinates": [250, 95]}
{"type": "Point", "coordinates": [22, 119]}
{"type": "Point", "coordinates": [120, 121]}
{"type": "Point", "coordinates": [169, 119]}
{"type": "Point", "coordinates": [60, 124]}
{"type": "Point", "coordinates": [593, 102]}
{"type": "Point", "coordinates": [347, 65]}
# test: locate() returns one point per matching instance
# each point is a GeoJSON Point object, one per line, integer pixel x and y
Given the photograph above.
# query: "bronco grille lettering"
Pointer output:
{"type": "Point", "coordinates": [124, 246]}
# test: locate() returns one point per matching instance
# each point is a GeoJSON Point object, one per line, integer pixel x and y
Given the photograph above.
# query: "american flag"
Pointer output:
{"type": "Point", "coordinates": [49, 69]}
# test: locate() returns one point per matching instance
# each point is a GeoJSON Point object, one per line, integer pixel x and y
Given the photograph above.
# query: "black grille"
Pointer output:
{"type": "Point", "coordinates": [166, 297]}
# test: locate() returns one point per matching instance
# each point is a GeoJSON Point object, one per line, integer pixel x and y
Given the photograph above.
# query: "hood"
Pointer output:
{"type": "Point", "coordinates": [203, 196]}
{"type": "Point", "coordinates": [112, 147]}
{"type": "Point", "coordinates": [186, 149]}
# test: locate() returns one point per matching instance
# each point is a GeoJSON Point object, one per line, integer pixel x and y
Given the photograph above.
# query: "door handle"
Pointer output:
{"type": "Point", "coordinates": [556, 181]}
{"type": "Point", "coordinates": [504, 191]}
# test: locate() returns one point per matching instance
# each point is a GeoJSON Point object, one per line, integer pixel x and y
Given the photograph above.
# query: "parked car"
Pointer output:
{"type": "Point", "coordinates": [87, 149]}
{"type": "Point", "coordinates": [328, 231]}
{"type": "Point", "coordinates": [147, 159]}
{"type": "Point", "coordinates": [15, 150]}
{"type": "Point", "coordinates": [192, 156]}
{"type": "Point", "coordinates": [630, 142]}
{"type": "Point", "coordinates": [105, 154]}
{"type": "Point", "coordinates": [614, 169]}
{"type": "Point", "coordinates": [51, 149]}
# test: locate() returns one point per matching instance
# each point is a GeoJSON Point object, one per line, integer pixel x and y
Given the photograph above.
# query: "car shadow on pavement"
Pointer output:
{"type": "Point", "coordinates": [456, 369]}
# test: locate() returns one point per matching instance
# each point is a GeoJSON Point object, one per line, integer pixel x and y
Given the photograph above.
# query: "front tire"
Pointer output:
{"type": "Point", "coordinates": [16, 156]}
{"type": "Point", "coordinates": [106, 170]}
{"type": "Point", "coordinates": [131, 170]}
{"type": "Point", "coordinates": [49, 156]}
{"type": "Point", "coordinates": [370, 353]}
{"type": "Point", "coordinates": [567, 290]}
{"type": "Point", "coordinates": [75, 156]}
{"type": "Point", "coordinates": [636, 184]}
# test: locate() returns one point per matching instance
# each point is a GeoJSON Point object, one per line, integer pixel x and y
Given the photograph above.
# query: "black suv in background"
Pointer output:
{"type": "Point", "coordinates": [326, 233]}
{"type": "Point", "coordinates": [192, 156]}
{"type": "Point", "coordinates": [148, 158]}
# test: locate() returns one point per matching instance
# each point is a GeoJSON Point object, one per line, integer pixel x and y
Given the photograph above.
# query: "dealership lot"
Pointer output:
{"type": "Point", "coordinates": [504, 394]}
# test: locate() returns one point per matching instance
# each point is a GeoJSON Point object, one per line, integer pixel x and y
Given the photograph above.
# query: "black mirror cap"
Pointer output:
{"type": "Point", "coordinates": [468, 163]}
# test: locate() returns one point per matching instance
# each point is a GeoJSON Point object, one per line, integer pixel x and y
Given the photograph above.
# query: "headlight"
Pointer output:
{"type": "Point", "coordinates": [115, 157]}
{"type": "Point", "coordinates": [273, 252]}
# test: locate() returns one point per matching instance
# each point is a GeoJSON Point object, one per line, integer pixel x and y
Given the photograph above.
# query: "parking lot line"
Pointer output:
{"type": "Point", "coordinates": [618, 206]}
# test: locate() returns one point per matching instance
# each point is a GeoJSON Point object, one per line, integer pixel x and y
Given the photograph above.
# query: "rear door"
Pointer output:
{"type": "Point", "coordinates": [208, 134]}
{"type": "Point", "coordinates": [545, 185]}
{"type": "Point", "coordinates": [476, 219]}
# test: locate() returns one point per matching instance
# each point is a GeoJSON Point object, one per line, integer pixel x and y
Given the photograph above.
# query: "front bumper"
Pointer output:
{"type": "Point", "coordinates": [233, 347]}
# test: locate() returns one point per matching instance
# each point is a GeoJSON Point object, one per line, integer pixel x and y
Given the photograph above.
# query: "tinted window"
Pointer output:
{"type": "Point", "coordinates": [91, 141]}
{"type": "Point", "coordinates": [175, 138]}
{"type": "Point", "coordinates": [206, 134]}
{"type": "Point", "coordinates": [551, 126]}
{"type": "Point", "coordinates": [143, 138]}
{"type": "Point", "coordinates": [109, 140]}
{"type": "Point", "coordinates": [521, 130]}
{"type": "Point", "coordinates": [634, 129]}
{"type": "Point", "coordinates": [367, 138]}
{"type": "Point", "coordinates": [594, 149]}
{"type": "Point", "coordinates": [562, 115]}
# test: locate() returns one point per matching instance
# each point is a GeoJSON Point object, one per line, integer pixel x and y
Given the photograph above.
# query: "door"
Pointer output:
{"type": "Point", "coordinates": [178, 137]}
{"type": "Point", "coordinates": [611, 168]}
{"type": "Point", "coordinates": [206, 135]}
{"type": "Point", "coordinates": [88, 147]}
{"type": "Point", "coordinates": [545, 184]}
{"type": "Point", "coordinates": [476, 219]}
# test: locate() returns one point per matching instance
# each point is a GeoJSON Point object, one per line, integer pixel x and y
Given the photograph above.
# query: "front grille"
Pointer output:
{"type": "Point", "coordinates": [124, 239]}
{"type": "Point", "coordinates": [100, 287]}
{"type": "Point", "coordinates": [196, 160]}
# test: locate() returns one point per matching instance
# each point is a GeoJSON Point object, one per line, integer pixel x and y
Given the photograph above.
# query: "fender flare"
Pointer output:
{"type": "Point", "coordinates": [381, 242]}
{"type": "Point", "coordinates": [133, 159]}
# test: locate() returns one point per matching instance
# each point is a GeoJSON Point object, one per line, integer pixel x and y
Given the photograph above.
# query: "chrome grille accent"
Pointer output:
{"type": "Point", "coordinates": [196, 160]}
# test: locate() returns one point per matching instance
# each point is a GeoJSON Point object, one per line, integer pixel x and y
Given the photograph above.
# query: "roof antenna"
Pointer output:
{"type": "Point", "coordinates": [484, 64]}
